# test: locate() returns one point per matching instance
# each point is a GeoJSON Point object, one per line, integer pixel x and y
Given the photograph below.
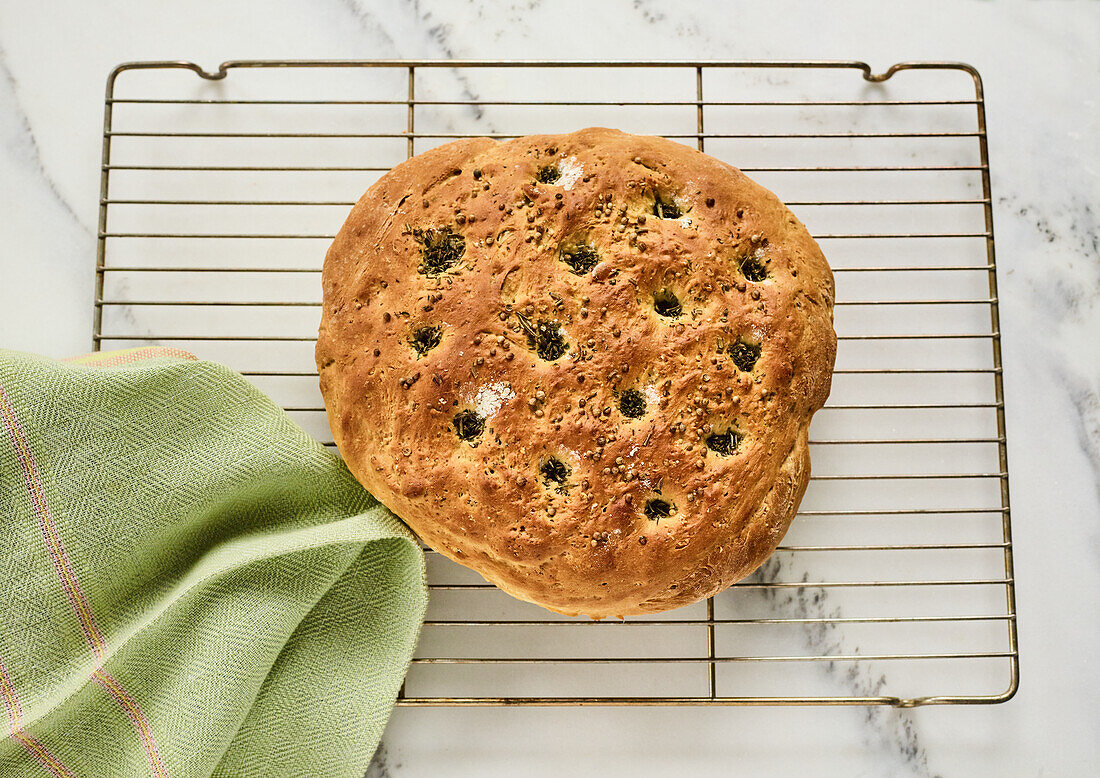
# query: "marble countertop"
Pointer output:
{"type": "Point", "coordinates": [1041, 69]}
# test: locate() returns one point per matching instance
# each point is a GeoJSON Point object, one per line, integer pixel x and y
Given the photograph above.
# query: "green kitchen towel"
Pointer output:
{"type": "Point", "coordinates": [189, 585]}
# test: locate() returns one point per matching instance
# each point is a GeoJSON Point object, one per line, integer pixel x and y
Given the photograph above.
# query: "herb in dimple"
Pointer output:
{"type": "Point", "coordinates": [666, 209]}
{"type": "Point", "coordinates": [657, 509]}
{"type": "Point", "coordinates": [554, 471]}
{"type": "Point", "coordinates": [580, 259]}
{"type": "Point", "coordinates": [468, 425]}
{"type": "Point", "coordinates": [548, 174]}
{"type": "Point", "coordinates": [440, 249]}
{"type": "Point", "coordinates": [666, 304]}
{"type": "Point", "coordinates": [632, 403]}
{"type": "Point", "coordinates": [425, 339]}
{"type": "Point", "coordinates": [544, 338]}
{"type": "Point", "coordinates": [724, 443]}
{"type": "Point", "coordinates": [753, 269]}
{"type": "Point", "coordinates": [744, 355]}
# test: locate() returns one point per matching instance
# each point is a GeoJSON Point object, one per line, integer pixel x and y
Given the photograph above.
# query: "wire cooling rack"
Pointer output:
{"type": "Point", "coordinates": [221, 191]}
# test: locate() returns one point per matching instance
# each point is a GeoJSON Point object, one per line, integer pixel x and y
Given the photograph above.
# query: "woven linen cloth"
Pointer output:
{"type": "Point", "coordinates": [189, 585]}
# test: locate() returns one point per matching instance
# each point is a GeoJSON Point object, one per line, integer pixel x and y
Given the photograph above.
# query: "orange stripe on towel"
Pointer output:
{"type": "Point", "coordinates": [16, 731]}
{"type": "Point", "coordinates": [128, 356]}
{"type": "Point", "coordinates": [73, 592]}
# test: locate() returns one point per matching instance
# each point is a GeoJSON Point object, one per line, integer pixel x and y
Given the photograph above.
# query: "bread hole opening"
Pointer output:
{"type": "Point", "coordinates": [554, 472]}
{"type": "Point", "coordinates": [544, 337]}
{"type": "Point", "coordinates": [657, 509]}
{"type": "Point", "coordinates": [666, 208]}
{"type": "Point", "coordinates": [468, 425]}
{"type": "Point", "coordinates": [753, 269]}
{"type": "Point", "coordinates": [724, 443]}
{"type": "Point", "coordinates": [548, 174]}
{"type": "Point", "coordinates": [667, 304]}
{"type": "Point", "coordinates": [424, 339]}
{"type": "Point", "coordinates": [632, 404]}
{"type": "Point", "coordinates": [744, 355]}
{"type": "Point", "coordinates": [440, 249]}
{"type": "Point", "coordinates": [581, 259]}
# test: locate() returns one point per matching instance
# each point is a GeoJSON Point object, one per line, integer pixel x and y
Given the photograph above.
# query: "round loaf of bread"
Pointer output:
{"type": "Point", "coordinates": [582, 365]}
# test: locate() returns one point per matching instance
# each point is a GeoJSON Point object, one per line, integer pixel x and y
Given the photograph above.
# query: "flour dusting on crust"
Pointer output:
{"type": "Point", "coordinates": [490, 397]}
{"type": "Point", "coordinates": [571, 172]}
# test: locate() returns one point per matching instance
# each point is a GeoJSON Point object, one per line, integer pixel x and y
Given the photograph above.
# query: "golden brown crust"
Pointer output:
{"type": "Point", "coordinates": [585, 545]}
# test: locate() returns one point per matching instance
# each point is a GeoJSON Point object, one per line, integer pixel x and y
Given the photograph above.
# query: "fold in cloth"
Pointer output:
{"type": "Point", "coordinates": [189, 585]}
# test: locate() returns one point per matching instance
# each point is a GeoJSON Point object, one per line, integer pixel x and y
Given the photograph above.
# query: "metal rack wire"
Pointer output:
{"type": "Point", "coordinates": [220, 191]}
